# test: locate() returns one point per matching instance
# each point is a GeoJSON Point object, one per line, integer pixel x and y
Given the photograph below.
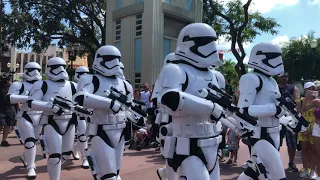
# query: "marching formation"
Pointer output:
{"type": "Point", "coordinates": [191, 109]}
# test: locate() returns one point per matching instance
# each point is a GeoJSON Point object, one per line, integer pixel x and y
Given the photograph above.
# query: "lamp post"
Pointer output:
{"type": "Point", "coordinates": [313, 44]}
{"type": "Point", "coordinates": [12, 69]}
{"type": "Point", "coordinates": [72, 55]}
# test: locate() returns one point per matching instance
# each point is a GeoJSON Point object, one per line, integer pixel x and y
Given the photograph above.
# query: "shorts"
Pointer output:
{"type": "Point", "coordinates": [7, 120]}
{"type": "Point", "coordinates": [222, 145]}
{"type": "Point", "coordinates": [316, 130]}
{"type": "Point", "coordinates": [291, 139]}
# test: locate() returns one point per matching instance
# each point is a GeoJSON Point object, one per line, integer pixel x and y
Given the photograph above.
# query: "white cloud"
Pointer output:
{"type": "Point", "coordinates": [223, 44]}
{"type": "Point", "coordinates": [245, 60]}
{"type": "Point", "coordinates": [302, 37]}
{"type": "Point", "coordinates": [265, 6]}
{"type": "Point", "coordinates": [281, 40]}
{"type": "Point", "coordinates": [313, 2]}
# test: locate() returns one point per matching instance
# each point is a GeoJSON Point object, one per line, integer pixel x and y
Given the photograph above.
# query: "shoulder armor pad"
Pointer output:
{"type": "Point", "coordinates": [128, 87]}
{"type": "Point", "coordinates": [84, 80]}
{"type": "Point", "coordinates": [73, 87]}
{"type": "Point", "coordinates": [220, 78]}
{"type": "Point", "coordinates": [15, 88]}
{"type": "Point", "coordinates": [249, 83]}
{"type": "Point", "coordinates": [172, 76]}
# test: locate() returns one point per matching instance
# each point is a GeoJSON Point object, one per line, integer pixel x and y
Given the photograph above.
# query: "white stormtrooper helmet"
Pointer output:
{"type": "Point", "coordinates": [169, 58]}
{"type": "Point", "coordinates": [32, 72]}
{"type": "Point", "coordinates": [196, 45]}
{"type": "Point", "coordinates": [121, 74]}
{"type": "Point", "coordinates": [266, 57]}
{"type": "Point", "coordinates": [56, 69]}
{"type": "Point", "coordinates": [81, 70]}
{"type": "Point", "coordinates": [107, 61]}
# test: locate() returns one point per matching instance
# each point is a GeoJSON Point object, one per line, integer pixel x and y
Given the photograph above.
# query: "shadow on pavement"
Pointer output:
{"type": "Point", "coordinates": [141, 153]}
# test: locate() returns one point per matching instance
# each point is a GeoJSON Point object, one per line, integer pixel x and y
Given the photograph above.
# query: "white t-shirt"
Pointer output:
{"type": "Point", "coordinates": [145, 98]}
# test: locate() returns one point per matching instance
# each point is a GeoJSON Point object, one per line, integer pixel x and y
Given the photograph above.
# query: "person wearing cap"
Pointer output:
{"type": "Point", "coordinates": [306, 140]}
{"type": "Point", "coordinates": [291, 138]}
{"type": "Point", "coordinates": [314, 101]}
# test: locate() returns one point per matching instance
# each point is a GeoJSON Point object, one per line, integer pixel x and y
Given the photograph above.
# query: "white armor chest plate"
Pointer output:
{"type": "Point", "coordinates": [195, 126]}
{"type": "Point", "coordinates": [53, 89]}
{"type": "Point", "coordinates": [268, 94]}
{"type": "Point", "coordinates": [198, 79]}
{"type": "Point", "coordinates": [104, 116]}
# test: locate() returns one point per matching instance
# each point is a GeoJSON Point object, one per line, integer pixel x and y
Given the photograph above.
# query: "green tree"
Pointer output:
{"type": "Point", "coordinates": [234, 21]}
{"type": "Point", "coordinates": [71, 22]}
{"type": "Point", "coordinates": [229, 73]}
{"type": "Point", "coordinates": [299, 60]}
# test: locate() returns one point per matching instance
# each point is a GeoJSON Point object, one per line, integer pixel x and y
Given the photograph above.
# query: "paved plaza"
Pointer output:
{"type": "Point", "coordinates": [136, 165]}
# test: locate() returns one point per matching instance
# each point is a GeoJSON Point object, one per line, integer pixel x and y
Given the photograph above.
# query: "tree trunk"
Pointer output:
{"type": "Point", "coordinates": [240, 68]}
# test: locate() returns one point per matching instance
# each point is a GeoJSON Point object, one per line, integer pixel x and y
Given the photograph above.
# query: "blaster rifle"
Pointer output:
{"type": "Point", "coordinates": [116, 95]}
{"type": "Point", "coordinates": [237, 118]}
{"type": "Point", "coordinates": [287, 103]}
{"type": "Point", "coordinates": [225, 100]}
{"type": "Point", "coordinates": [68, 105]}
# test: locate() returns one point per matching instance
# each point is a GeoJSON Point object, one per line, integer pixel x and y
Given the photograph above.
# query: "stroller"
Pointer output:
{"type": "Point", "coordinates": [149, 137]}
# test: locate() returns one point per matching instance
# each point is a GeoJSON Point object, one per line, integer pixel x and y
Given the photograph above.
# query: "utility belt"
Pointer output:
{"type": "Point", "coordinates": [183, 146]}
{"type": "Point", "coordinates": [196, 130]}
{"type": "Point", "coordinates": [29, 112]}
{"type": "Point", "coordinates": [45, 118]}
{"type": "Point", "coordinates": [99, 118]}
{"type": "Point", "coordinates": [258, 132]}
{"type": "Point", "coordinates": [92, 129]}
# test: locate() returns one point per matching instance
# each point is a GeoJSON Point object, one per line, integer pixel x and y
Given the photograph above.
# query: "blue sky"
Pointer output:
{"type": "Point", "coordinates": [296, 17]}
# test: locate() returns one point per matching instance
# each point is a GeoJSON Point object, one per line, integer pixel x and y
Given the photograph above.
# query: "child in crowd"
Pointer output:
{"type": "Point", "coordinates": [233, 143]}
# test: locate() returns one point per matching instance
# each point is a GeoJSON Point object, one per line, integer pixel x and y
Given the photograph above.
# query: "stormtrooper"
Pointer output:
{"type": "Point", "coordinates": [59, 124]}
{"type": "Point", "coordinates": [163, 119]}
{"type": "Point", "coordinates": [258, 97]}
{"type": "Point", "coordinates": [195, 133]}
{"type": "Point", "coordinates": [98, 92]}
{"type": "Point", "coordinates": [82, 143]}
{"type": "Point", "coordinates": [28, 120]}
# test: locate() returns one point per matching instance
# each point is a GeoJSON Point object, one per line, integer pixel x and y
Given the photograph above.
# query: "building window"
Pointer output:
{"type": "Point", "coordinates": [118, 45]}
{"type": "Point", "coordinates": [139, 25]}
{"type": "Point", "coordinates": [118, 30]}
{"type": "Point", "coordinates": [189, 5]}
{"type": "Point", "coordinates": [166, 47]}
{"type": "Point", "coordinates": [137, 60]}
{"type": "Point", "coordinates": [118, 4]}
{"type": "Point", "coordinates": [139, 1]}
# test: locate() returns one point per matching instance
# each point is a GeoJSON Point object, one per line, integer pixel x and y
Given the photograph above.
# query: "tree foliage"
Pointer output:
{"type": "Point", "coordinates": [35, 23]}
{"type": "Point", "coordinates": [234, 21]}
{"type": "Point", "coordinates": [229, 73]}
{"type": "Point", "coordinates": [299, 60]}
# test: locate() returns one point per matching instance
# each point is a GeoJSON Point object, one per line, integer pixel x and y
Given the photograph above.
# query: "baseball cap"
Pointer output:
{"type": "Point", "coordinates": [308, 84]}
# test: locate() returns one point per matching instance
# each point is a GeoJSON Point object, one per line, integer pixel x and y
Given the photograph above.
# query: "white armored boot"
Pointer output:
{"type": "Point", "coordinates": [162, 173]}
{"type": "Point", "coordinates": [31, 173]}
{"type": "Point", "coordinates": [85, 163]}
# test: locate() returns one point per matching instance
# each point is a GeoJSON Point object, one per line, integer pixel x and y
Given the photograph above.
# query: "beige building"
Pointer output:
{"type": "Point", "coordinates": [21, 59]}
{"type": "Point", "coordinates": [145, 31]}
